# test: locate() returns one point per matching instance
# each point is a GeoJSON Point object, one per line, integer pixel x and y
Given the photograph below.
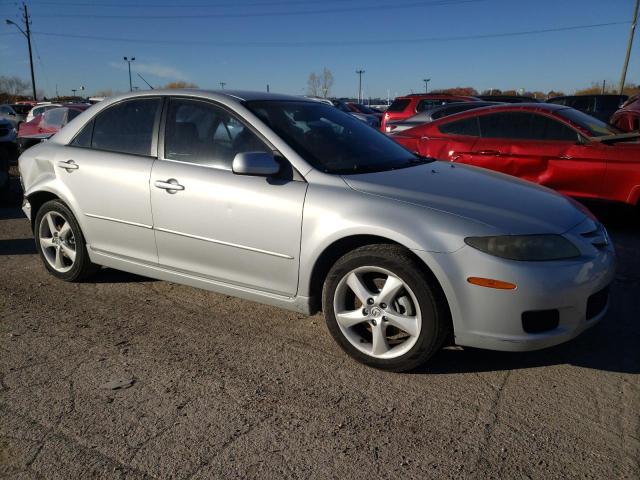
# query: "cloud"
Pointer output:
{"type": "Point", "coordinates": [161, 71]}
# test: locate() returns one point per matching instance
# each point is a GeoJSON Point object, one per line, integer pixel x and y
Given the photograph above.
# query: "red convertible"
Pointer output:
{"type": "Point", "coordinates": [552, 145]}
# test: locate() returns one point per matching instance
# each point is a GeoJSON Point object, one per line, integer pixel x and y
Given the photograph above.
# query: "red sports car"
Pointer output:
{"type": "Point", "coordinates": [408, 105]}
{"type": "Point", "coordinates": [552, 145]}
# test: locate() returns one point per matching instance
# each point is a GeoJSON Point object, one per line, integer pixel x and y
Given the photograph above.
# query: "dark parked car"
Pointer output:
{"type": "Point", "coordinates": [600, 106]}
{"type": "Point", "coordinates": [7, 112]}
{"type": "Point", "coordinates": [434, 114]}
{"type": "Point", "coordinates": [508, 98]}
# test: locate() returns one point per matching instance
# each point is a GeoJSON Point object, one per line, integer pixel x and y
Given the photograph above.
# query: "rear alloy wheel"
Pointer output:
{"type": "Point", "coordinates": [383, 310]}
{"type": "Point", "coordinates": [61, 244]}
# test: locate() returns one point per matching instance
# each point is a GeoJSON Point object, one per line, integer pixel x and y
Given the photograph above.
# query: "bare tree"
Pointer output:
{"type": "Point", "coordinates": [13, 85]}
{"type": "Point", "coordinates": [180, 84]}
{"type": "Point", "coordinates": [326, 82]}
{"type": "Point", "coordinates": [313, 85]}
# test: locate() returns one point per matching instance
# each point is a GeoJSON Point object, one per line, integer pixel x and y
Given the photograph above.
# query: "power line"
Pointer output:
{"type": "Point", "coordinates": [328, 43]}
{"type": "Point", "coordinates": [396, 6]}
{"type": "Point", "coordinates": [270, 3]}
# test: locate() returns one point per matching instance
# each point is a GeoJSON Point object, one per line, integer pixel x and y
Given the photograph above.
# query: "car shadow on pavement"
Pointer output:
{"type": "Point", "coordinates": [109, 275]}
{"type": "Point", "coordinates": [17, 246]}
{"type": "Point", "coordinates": [611, 346]}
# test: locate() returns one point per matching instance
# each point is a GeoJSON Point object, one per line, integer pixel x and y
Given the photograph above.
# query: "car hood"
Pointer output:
{"type": "Point", "coordinates": [505, 203]}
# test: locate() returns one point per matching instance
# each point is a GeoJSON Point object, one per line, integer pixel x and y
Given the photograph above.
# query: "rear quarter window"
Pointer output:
{"type": "Point", "coordinates": [399, 105]}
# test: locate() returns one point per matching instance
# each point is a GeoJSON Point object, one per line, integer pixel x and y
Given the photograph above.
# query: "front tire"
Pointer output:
{"type": "Point", "coordinates": [60, 243]}
{"type": "Point", "coordinates": [383, 310]}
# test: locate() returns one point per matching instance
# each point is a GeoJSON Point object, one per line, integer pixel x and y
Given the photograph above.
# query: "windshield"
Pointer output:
{"type": "Point", "coordinates": [330, 140]}
{"type": "Point", "coordinates": [595, 127]}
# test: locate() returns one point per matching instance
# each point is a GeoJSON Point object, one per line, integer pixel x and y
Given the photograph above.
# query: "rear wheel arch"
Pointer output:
{"type": "Point", "coordinates": [36, 200]}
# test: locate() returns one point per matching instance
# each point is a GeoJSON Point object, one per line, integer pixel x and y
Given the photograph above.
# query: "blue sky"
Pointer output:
{"type": "Point", "coordinates": [249, 43]}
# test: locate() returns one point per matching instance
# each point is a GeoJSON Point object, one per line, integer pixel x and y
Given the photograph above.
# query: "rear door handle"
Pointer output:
{"type": "Point", "coordinates": [489, 152]}
{"type": "Point", "coordinates": [171, 185]}
{"type": "Point", "coordinates": [69, 165]}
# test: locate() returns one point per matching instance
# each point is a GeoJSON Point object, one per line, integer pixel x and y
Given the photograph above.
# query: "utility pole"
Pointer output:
{"type": "Point", "coordinates": [222, 84]}
{"type": "Point", "coordinates": [267, 88]}
{"type": "Point", "coordinates": [360, 73]}
{"type": "Point", "coordinates": [634, 21]}
{"type": "Point", "coordinates": [27, 23]}
{"type": "Point", "coordinates": [426, 84]}
{"type": "Point", "coordinates": [604, 83]}
{"type": "Point", "coordinates": [129, 62]}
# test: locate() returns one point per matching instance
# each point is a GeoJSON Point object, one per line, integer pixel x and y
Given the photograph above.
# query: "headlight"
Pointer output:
{"type": "Point", "coordinates": [525, 247]}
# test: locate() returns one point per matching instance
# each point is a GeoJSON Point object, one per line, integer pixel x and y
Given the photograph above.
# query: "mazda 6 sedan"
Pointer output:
{"type": "Point", "coordinates": [290, 202]}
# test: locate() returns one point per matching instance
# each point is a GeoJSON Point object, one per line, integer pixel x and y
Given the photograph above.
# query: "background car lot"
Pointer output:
{"type": "Point", "coordinates": [197, 400]}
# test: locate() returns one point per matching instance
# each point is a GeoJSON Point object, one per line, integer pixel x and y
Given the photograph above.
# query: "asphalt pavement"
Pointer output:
{"type": "Point", "coordinates": [127, 377]}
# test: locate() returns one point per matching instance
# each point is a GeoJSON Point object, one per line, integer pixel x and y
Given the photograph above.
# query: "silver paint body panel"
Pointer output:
{"type": "Point", "coordinates": [260, 238]}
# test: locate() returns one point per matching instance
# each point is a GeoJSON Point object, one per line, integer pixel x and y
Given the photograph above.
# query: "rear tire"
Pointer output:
{"type": "Point", "coordinates": [60, 243]}
{"type": "Point", "coordinates": [383, 310]}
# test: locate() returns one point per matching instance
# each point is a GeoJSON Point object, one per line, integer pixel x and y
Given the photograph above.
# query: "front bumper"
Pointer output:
{"type": "Point", "coordinates": [492, 319]}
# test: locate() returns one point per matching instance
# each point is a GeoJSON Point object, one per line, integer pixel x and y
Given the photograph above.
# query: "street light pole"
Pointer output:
{"type": "Point", "coordinates": [634, 21]}
{"type": "Point", "coordinates": [27, 22]}
{"type": "Point", "coordinates": [426, 84]}
{"type": "Point", "coordinates": [360, 72]}
{"type": "Point", "coordinates": [129, 63]}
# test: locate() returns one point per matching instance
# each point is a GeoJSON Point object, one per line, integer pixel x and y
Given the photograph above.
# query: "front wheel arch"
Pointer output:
{"type": "Point", "coordinates": [341, 247]}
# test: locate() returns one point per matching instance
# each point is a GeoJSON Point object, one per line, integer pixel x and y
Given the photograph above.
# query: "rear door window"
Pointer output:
{"type": "Point", "coordinates": [428, 104]}
{"type": "Point", "coordinates": [127, 127]}
{"type": "Point", "coordinates": [399, 105]}
{"type": "Point", "coordinates": [55, 117]}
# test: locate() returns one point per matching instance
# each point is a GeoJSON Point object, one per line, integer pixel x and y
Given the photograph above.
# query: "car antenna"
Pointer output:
{"type": "Point", "coordinates": [150, 86]}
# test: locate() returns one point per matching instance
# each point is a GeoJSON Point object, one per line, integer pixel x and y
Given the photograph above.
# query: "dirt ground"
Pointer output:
{"type": "Point", "coordinates": [129, 377]}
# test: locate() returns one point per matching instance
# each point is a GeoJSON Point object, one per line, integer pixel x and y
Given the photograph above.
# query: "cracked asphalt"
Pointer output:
{"type": "Point", "coordinates": [126, 377]}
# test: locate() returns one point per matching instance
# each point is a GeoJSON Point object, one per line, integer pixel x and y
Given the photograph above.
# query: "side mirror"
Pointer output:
{"type": "Point", "coordinates": [13, 114]}
{"type": "Point", "coordinates": [258, 164]}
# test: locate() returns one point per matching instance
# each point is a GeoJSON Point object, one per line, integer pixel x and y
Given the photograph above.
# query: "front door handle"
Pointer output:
{"type": "Point", "coordinates": [69, 165]}
{"type": "Point", "coordinates": [565, 157]}
{"type": "Point", "coordinates": [171, 186]}
{"type": "Point", "coordinates": [489, 152]}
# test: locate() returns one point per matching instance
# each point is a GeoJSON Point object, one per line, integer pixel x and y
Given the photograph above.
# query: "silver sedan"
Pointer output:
{"type": "Point", "coordinates": [290, 202]}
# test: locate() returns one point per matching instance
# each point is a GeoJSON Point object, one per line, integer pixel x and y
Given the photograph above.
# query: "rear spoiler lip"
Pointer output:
{"type": "Point", "coordinates": [615, 138]}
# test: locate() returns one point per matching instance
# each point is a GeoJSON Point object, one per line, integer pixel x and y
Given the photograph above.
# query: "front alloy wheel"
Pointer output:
{"type": "Point", "coordinates": [384, 309]}
{"type": "Point", "coordinates": [377, 312]}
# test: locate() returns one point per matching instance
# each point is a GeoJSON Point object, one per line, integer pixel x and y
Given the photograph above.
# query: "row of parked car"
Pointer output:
{"type": "Point", "coordinates": [25, 124]}
{"type": "Point", "coordinates": [551, 143]}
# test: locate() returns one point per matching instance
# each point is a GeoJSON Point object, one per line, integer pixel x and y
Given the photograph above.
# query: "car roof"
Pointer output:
{"type": "Point", "coordinates": [505, 107]}
{"type": "Point", "coordinates": [234, 95]}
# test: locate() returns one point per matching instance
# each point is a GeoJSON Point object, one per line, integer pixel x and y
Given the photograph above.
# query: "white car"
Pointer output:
{"type": "Point", "coordinates": [40, 109]}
